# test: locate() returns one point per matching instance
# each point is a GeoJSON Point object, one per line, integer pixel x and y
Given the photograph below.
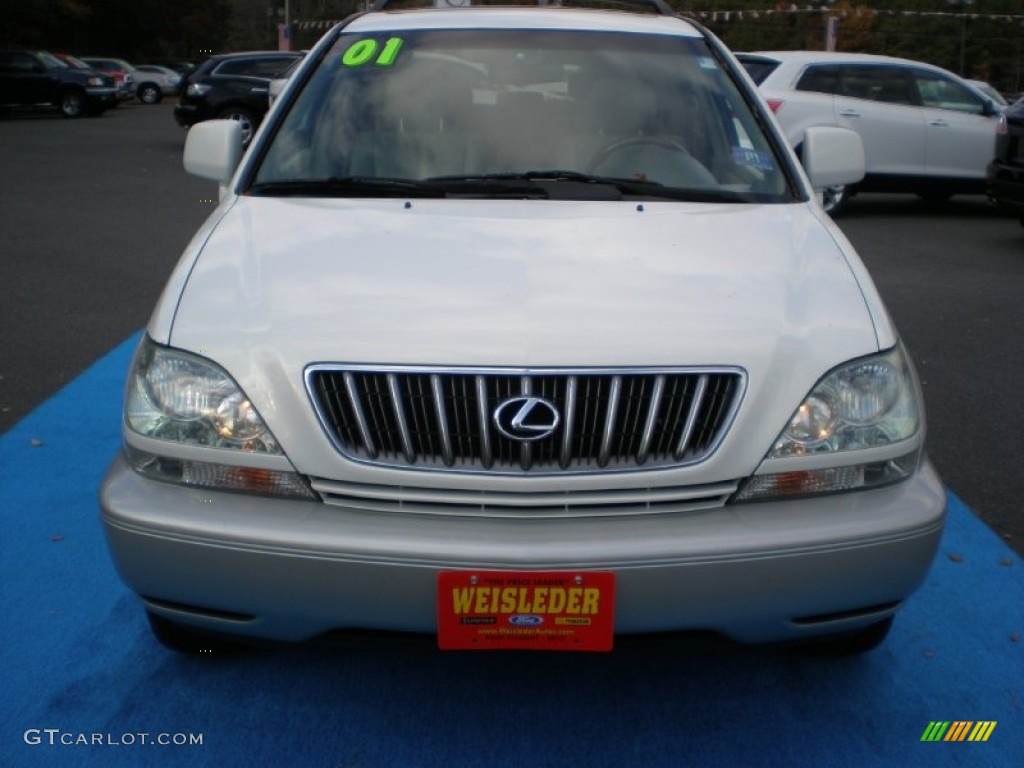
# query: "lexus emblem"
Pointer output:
{"type": "Point", "coordinates": [526, 418]}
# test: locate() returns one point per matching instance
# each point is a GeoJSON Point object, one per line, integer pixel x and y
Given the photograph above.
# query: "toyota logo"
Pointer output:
{"type": "Point", "coordinates": [526, 418]}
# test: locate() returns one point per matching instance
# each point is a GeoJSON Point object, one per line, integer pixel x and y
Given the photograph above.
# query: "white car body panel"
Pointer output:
{"type": "Point", "coordinates": [891, 134]}
{"type": "Point", "coordinates": [957, 143]}
{"type": "Point", "coordinates": [530, 284]}
{"type": "Point", "coordinates": [523, 18]}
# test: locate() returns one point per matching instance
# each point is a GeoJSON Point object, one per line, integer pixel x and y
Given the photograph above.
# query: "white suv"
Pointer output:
{"type": "Point", "coordinates": [521, 326]}
{"type": "Point", "coordinates": [924, 129]}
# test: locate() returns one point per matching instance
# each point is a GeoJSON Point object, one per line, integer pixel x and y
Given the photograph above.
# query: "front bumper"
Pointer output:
{"type": "Point", "coordinates": [104, 96]}
{"type": "Point", "coordinates": [1005, 186]}
{"type": "Point", "coordinates": [188, 115]}
{"type": "Point", "coordinates": [292, 570]}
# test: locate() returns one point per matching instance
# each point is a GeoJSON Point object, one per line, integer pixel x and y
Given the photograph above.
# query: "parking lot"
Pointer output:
{"type": "Point", "coordinates": [93, 216]}
{"type": "Point", "coordinates": [95, 213]}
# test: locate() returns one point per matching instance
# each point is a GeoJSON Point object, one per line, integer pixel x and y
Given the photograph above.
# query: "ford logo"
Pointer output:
{"type": "Point", "coordinates": [526, 418]}
{"type": "Point", "coordinates": [526, 620]}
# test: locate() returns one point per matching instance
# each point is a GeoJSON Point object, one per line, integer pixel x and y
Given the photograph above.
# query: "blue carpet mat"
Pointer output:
{"type": "Point", "coordinates": [80, 666]}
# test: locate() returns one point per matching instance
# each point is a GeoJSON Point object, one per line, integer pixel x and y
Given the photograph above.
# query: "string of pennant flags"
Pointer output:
{"type": "Point", "coordinates": [842, 13]}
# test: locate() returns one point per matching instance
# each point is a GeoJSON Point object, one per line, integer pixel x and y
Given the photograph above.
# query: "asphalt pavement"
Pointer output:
{"type": "Point", "coordinates": [953, 280]}
{"type": "Point", "coordinates": [95, 212]}
{"type": "Point", "coordinates": [93, 215]}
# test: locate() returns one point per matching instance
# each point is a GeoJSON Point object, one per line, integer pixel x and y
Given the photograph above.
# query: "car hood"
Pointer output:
{"type": "Point", "coordinates": [280, 284]}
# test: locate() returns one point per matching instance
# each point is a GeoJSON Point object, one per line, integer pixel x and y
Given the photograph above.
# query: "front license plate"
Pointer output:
{"type": "Point", "coordinates": [534, 610]}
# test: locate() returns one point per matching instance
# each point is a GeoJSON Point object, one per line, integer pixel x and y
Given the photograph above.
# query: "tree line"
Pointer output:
{"type": "Point", "coordinates": [983, 39]}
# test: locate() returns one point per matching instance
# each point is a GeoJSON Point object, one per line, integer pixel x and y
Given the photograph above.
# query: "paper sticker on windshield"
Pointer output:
{"type": "Point", "coordinates": [372, 52]}
{"type": "Point", "coordinates": [753, 158]}
{"type": "Point", "coordinates": [706, 62]}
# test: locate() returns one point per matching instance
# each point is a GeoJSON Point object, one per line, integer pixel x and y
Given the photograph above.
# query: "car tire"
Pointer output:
{"type": "Point", "coordinates": [73, 103]}
{"type": "Point", "coordinates": [850, 643]}
{"type": "Point", "coordinates": [243, 116]}
{"type": "Point", "coordinates": [834, 199]}
{"type": "Point", "coordinates": [188, 640]}
{"type": "Point", "coordinates": [149, 93]}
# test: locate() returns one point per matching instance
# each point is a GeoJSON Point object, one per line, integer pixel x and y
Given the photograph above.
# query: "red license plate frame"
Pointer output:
{"type": "Point", "coordinates": [525, 610]}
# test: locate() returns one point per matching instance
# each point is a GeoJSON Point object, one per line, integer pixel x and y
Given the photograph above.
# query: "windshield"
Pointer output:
{"type": "Point", "coordinates": [546, 107]}
{"type": "Point", "coordinates": [76, 63]}
{"type": "Point", "coordinates": [51, 61]}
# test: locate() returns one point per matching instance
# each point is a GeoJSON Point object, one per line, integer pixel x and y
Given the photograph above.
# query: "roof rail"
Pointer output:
{"type": "Point", "coordinates": [658, 5]}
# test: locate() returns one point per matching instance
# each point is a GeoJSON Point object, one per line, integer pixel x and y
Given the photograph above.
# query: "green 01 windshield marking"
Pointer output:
{"type": "Point", "coordinates": [363, 51]}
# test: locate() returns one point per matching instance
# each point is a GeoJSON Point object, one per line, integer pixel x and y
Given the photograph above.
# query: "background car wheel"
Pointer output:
{"type": "Point", "coordinates": [834, 199]}
{"type": "Point", "coordinates": [182, 639]}
{"type": "Point", "coordinates": [149, 93]}
{"type": "Point", "coordinates": [244, 117]}
{"type": "Point", "coordinates": [851, 643]}
{"type": "Point", "coordinates": [73, 103]}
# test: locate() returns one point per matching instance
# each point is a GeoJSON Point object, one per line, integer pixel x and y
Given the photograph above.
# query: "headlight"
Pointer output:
{"type": "Point", "coordinates": [864, 404]}
{"type": "Point", "coordinates": [94, 81]}
{"type": "Point", "coordinates": [198, 89]}
{"type": "Point", "coordinates": [186, 400]}
{"type": "Point", "coordinates": [869, 406]}
{"type": "Point", "coordinates": [176, 396]}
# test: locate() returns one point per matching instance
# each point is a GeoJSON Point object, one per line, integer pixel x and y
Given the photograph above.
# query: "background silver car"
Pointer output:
{"type": "Point", "coordinates": [153, 82]}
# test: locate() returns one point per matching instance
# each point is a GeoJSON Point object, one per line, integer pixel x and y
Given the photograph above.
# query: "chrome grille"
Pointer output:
{"type": "Point", "coordinates": [444, 419]}
{"type": "Point", "coordinates": [524, 504]}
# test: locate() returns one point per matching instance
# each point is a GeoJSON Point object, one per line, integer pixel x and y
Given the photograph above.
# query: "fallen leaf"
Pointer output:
{"type": "Point", "coordinates": [58, 537]}
{"type": "Point", "coordinates": [1015, 637]}
{"type": "Point", "coordinates": [956, 558]}
{"type": "Point", "coordinates": [929, 654]}
{"type": "Point", "coordinates": [35, 442]}
{"type": "Point", "coordinates": [1006, 561]}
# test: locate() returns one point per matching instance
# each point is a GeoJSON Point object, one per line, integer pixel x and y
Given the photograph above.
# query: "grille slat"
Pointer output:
{"type": "Point", "coordinates": [605, 453]}
{"type": "Point", "coordinates": [652, 420]}
{"type": "Point", "coordinates": [526, 449]}
{"type": "Point", "coordinates": [484, 417]}
{"type": "Point", "coordinates": [453, 501]}
{"type": "Point", "coordinates": [394, 388]}
{"type": "Point", "coordinates": [691, 418]}
{"type": "Point", "coordinates": [357, 408]}
{"type": "Point", "coordinates": [568, 423]}
{"type": "Point", "coordinates": [444, 419]}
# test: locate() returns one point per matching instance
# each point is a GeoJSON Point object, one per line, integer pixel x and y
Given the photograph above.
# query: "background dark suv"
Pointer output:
{"type": "Point", "coordinates": [28, 78]}
{"type": "Point", "coordinates": [1006, 172]}
{"type": "Point", "coordinates": [234, 86]}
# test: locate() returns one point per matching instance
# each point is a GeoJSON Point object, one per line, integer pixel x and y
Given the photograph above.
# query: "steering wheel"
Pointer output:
{"type": "Point", "coordinates": [634, 141]}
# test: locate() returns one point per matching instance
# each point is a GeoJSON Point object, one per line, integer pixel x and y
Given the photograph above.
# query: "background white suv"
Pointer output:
{"type": "Point", "coordinates": [924, 129]}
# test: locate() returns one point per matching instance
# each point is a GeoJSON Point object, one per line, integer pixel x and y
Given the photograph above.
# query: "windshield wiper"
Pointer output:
{"type": "Point", "coordinates": [369, 186]}
{"type": "Point", "coordinates": [348, 186]}
{"type": "Point", "coordinates": [633, 187]}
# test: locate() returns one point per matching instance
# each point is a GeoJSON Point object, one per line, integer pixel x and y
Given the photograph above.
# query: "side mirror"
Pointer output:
{"type": "Point", "coordinates": [833, 156]}
{"type": "Point", "coordinates": [213, 149]}
{"type": "Point", "coordinates": [276, 86]}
